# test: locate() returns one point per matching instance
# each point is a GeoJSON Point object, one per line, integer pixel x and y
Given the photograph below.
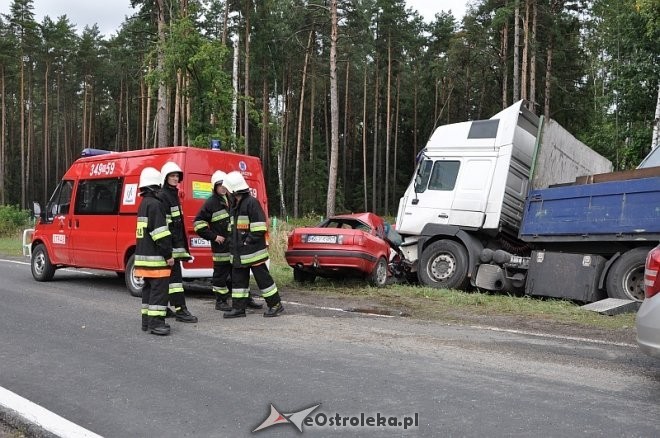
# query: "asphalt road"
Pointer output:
{"type": "Point", "coordinates": [74, 347]}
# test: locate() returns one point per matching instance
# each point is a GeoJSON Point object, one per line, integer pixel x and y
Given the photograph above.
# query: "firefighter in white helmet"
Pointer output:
{"type": "Point", "coordinates": [249, 250]}
{"type": "Point", "coordinates": [153, 253]}
{"type": "Point", "coordinates": [212, 224]}
{"type": "Point", "coordinates": [171, 175]}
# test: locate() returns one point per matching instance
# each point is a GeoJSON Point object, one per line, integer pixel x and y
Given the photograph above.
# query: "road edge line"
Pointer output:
{"type": "Point", "coordinates": [37, 421]}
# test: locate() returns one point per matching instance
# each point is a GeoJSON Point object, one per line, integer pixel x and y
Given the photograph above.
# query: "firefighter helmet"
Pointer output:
{"type": "Point", "coordinates": [149, 177]}
{"type": "Point", "coordinates": [218, 177]}
{"type": "Point", "coordinates": [236, 183]}
{"type": "Point", "coordinates": [170, 167]}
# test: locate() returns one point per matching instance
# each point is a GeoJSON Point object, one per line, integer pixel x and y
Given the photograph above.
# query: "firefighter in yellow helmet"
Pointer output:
{"type": "Point", "coordinates": [171, 175]}
{"type": "Point", "coordinates": [249, 250]}
{"type": "Point", "coordinates": [153, 253]}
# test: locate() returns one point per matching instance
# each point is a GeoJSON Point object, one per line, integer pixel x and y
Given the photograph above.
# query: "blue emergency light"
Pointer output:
{"type": "Point", "coordinates": [91, 152]}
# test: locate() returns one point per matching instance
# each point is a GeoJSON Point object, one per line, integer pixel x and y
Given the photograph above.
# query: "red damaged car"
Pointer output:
{"type": "Point", "coordinates": [345, 245]}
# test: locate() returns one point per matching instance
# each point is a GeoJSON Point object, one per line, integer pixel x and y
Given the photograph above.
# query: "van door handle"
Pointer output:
{"type": "Point", "coordinates": [77, 223]}
{"type": "Point", "coordinates": [443, 215]}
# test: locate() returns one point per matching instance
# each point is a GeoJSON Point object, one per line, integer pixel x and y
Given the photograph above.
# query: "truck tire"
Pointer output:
{"type": "Point", "coordinates": [625, 279]}
{"type": "Point", "coordinates": [443, 265]}
{"type": "Point", "coordinates": [133, 283]}
{"type": "Point", "coordinates": [378, 277]}
{"type": "Point", "coordinates": [42, 268]}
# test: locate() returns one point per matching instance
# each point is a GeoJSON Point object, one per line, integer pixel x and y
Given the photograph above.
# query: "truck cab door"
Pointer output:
{"type": "Point", "coordinates": [94, 223]}
{"type": "Point", "coordinates": [55, 224]}
{"type": "Point", "coordinates": [429, 198]}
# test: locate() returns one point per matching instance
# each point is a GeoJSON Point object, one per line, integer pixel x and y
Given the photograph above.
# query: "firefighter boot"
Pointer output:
{"type": "Point", "coordinates": [274, 304]}
{"type": "Point", "coordinates": [145, 323]}
{"type": "Point", "coordinates": [251, 304]}
{"type": "Point", "coordinates": [183, 315]}
{"type": "Point", "coordinates": [238, 308]}
{"type": "Point", "coordinates": [157, 326]}
{"type": "Point", "coordinates": [221, 303]}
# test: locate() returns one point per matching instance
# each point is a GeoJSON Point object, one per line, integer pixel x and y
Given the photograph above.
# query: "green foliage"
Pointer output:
{"type": "Point", "coordinates": [12, 219]}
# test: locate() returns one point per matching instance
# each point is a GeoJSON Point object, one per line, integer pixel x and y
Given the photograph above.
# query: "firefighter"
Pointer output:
{"type": "Point", "coordinates": [153, 253]}
{"type": "Point", "coordinates": [171, 175]}
{"type": "Point", "coordinates": [212, 224]}
{"type": "Point", "coordinates": [249, 250]}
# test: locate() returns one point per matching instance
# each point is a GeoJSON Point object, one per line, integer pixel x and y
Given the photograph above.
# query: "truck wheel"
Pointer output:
{"type": "Point", "coordinates": [133, 283]}
{"type": "Point", "coordinates": [378, 277]}
{"type": "Point", "coordinates": [626, 277]}
{"type": "Point", "coordinates": [444, 265]}
{"type": "Point", "coordinates": [42, 268]}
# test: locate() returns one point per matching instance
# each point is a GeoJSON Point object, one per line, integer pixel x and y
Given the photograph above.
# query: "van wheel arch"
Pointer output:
{"type": "Point", "coordinates": [133, 284]}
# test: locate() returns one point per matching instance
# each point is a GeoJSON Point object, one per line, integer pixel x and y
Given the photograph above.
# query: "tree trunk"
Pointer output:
{"type": "Point", "coordinates": [312, 104]}
{"type": "Point", "coordinates": [301, 104]}
{"type": "Point", "coordinates": [234, 101]}
{"type": "Point", "coordinates": [46, 157]}
{"type": "Point", "coordinates": [177, 104]}
{"type": "Point", "coordinates": [548, 79]}
{"type": "Point", "coordinates": [388, 125]}
{"type": "Point", "coordinates": [532, 70]}
{"type": "Point", "coordinates": [225, 19]}
{"type": "Point", "coordinates": [364, 137]}
{"type": "Point", "coordinates": [516, 48]}
{"type": "Point", "coordinates": [265, 116]}
{"type": "Point", "coordinates": [374, 169]}
{"type": "Point", "coordinates": [525, 57]}
{"type": "Point", "coordinates": [505, 62]}
{"type": "Point", "coordinates": [246, 119]}
{"type": "Point", "coordinates": [3, 134]}
{"type": "Point", "coordinates": [334, 113]}
{"type": "Point", "coordinates": [161, 113]}
{"type": "Point", "coordinates": [345, 133]}
{"type": "Point", "coordinates": [396, 138]}
{"type": "Point", "coordinates": [655, 140]}
{"type": "Point", "coordinates": [22, 137]}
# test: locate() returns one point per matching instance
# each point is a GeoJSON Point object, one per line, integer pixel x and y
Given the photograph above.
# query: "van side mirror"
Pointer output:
{"type": "Point", "coordinates": [36, 209]}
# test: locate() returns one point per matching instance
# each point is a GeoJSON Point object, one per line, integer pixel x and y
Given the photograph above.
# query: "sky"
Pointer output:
{"type": "Point", "coordinates": [109, 14]}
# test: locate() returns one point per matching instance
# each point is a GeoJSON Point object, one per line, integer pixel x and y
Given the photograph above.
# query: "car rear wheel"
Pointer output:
{"type": "Point", "coordinates": [301, 276]}
{"type": "Point", "coordinates": [133, 283]}
{"type": "Point", "coordinates": [42, 268]}
{"type": "Point", "coordinates": [378, 277]}
{"type": "Point", "coordinates": [626, 277]}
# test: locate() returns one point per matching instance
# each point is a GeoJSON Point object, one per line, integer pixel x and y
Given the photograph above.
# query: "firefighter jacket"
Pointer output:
{"type": "Point", "coordinates": [170, 197]}
{"type": "Point", "coordinates": [153, 239]}
{"type": "Point", "coordinates": [213, 221]}
{"type": "Point", "coordinates": [248, 228]}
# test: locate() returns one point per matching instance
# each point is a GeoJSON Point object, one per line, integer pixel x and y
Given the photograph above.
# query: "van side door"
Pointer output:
{"type": "Point", "coordinates": [94, 233]}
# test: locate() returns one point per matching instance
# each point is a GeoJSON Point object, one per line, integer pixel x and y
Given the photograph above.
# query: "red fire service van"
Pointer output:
{"type": "Point", "coordinates": [90, 220]}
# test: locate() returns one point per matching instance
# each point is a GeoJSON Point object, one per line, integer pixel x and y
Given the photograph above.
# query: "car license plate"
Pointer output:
{"type": "Point", "coordinates": [322, 239]}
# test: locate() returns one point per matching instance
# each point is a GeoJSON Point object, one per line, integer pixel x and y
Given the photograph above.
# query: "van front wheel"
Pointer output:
{"type": "Point", "coordinates": [42, 268]}
{"type": "Point", "coordinates": [133, 283]}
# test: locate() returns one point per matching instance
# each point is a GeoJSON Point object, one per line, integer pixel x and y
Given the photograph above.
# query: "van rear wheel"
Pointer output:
{"type": "Point", "coordinates": [42, 268]}
{"type": "Point", "coordinates": [133, 283]}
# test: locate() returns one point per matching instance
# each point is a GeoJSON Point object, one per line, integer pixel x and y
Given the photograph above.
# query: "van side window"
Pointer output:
{"type": "Point", "coordinates": [444, 175]}
{"type": "Point", "coordinates": [60, 200]}
{"type": "Point", "coordinates": [97, 196]}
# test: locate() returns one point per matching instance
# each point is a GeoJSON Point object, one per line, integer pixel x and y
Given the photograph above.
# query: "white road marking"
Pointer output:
{"type": "Point", "coordinates": [41, 417]}
{"type": "Point", "coordinates": [336, 309]}
{"type": "Point", "coordinates": [63, 269]}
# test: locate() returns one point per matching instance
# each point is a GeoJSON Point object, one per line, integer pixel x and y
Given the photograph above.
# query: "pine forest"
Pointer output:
{"type": "Point", "coordinates": [336, 97]}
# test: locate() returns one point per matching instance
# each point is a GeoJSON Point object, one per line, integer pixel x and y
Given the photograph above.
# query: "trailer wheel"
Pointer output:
{"type": "Point", "coordinates": [42, 268]}
{"type": "Point", "coordinates": [444, 265]}
{"type": "Point", "coordinates": [378, 277]}
{"type": "Point", "coordinates": [626, 277]}
{"type": "Point", "coordinates": [133, 283]}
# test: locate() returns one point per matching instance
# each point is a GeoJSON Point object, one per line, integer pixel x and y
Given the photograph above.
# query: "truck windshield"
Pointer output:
{"type": "Point", "coordinates": [438, 175]}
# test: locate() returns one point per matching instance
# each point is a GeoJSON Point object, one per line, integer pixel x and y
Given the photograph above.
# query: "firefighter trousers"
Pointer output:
{"type": "Point", "coordinates": [154, 297]}
{"type": "Point", "coordinates": [222, 281]}
{"type": "Point", "coordinates": [241, 285]}
{"type": "Point", "coordinates": [175, 290]}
